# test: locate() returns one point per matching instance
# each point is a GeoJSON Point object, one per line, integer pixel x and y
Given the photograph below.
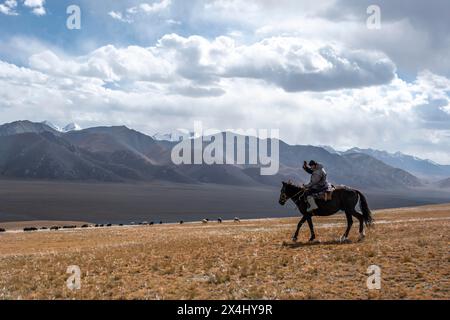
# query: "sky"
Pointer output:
{"type": "Point", "coordinates": [312, 69]}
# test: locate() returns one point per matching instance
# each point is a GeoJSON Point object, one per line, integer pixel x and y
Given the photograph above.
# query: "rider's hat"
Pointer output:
{"type": "Point", "coordinates": [312, 163]}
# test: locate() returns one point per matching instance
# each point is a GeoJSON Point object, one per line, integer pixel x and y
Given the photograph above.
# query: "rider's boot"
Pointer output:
{"type": "Point", "coordinates": [312, 204]}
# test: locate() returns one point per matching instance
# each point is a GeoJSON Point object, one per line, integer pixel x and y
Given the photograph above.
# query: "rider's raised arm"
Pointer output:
{"type": "Point", "coordinates": [308, 170]}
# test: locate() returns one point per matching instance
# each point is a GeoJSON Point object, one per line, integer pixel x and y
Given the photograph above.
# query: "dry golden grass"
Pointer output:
{"type": "Point", "coordinates": [247, 260]}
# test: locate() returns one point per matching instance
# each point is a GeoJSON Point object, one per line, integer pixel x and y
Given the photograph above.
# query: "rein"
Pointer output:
{"type": "Point", "coordinates": [302, 191]}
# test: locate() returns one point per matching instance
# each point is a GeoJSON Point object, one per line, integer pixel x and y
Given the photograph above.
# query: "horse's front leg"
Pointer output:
{"type": "Point", "coordinates": [311, 228]}
{"type": "Point", "coordinates": [295, 236]}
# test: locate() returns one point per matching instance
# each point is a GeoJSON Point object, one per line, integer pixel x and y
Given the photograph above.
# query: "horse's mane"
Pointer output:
{"type": "Point", "coordinates": [290, 183]}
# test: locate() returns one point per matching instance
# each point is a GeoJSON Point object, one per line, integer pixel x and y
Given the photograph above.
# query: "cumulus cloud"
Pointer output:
{"type": "Point", "coordinates": [8, 7]}
{"type": "Point", "coordinates": [289, 63]}
{"type": "Point", "coordinates": [37, 6]}
{"type": "Point", "coordinates": [110, 64]}
{"type": "Point", "coordinates": [152, 8]}
{"type": "Point", "coordinates": [20, 75]}
{"type": "Point", "coordinates": [414, 34]}
{"type": "Point", "coordinates": [298, 65]}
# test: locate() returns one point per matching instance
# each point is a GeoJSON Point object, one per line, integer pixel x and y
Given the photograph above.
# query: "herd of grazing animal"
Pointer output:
{"type": "Point", "coordinates": [84, 226]}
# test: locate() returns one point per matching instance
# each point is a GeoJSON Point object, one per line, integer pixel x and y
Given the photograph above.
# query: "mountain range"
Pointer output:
{"type": "Point", "coordinates": [30, 150]}
{"type": "Point", "coordinates": [424, 169]}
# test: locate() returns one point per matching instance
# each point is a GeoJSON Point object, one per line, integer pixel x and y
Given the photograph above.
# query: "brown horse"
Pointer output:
{"type": "Point", "coordinates": [344, 199]}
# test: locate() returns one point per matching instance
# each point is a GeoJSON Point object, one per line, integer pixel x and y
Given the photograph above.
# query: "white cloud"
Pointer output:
{"type": "Point", "coordinates": [109, 64]}
{"type": "Point", "coordinates": [290, 63]}
{"type": "Point", "coordinates": [37, 6]}
{"type": "Point", "coordinates": [20, 75]}
{"type": "Point", "coordinates": [155, 7]}
{"type": "Point", "coordinates": [417, 30]}
{"type": "Point", "coordinates": [118, 16]}
{"type": "Point", "coordinates": [143, 8]}
{"type": "Point", "coordinates": [8, 7]}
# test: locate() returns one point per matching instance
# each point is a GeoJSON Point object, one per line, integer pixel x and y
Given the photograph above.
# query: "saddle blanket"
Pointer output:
{"type": "Point", "coordinates": [327, 195]}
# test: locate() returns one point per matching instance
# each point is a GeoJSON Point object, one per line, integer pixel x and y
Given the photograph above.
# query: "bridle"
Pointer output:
{"type": "Point", "coordinates": [300, 193]}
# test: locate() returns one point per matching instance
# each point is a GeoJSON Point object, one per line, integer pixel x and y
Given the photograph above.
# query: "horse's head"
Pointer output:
{"type": "Point", "coordinates": [283, 196]}
{"type": "Point", "coordinates": [288, 190]}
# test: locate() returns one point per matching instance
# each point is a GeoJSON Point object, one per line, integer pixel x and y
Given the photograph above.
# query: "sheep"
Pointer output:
{"type": "Point", "coordinates": [85, 226]}
{"type": "Point", "coordinates": [205, 220]}
{"type": "Point", "coordinates": [30, 229]}
{"type": "Point", "coordinates": [109, 225]}
{"type": "Point", "coordinates": [219, 220]}
{"type": "Point", "coordinates": [181, 222]}
{"type": "Point", "coordinates": [2, 230]}
{"type": "Point", "coordinates": [152, 223]}
{"type": "Point", "coordinates": [54, 228]}
{"type": "Point", "coordinates": [69, 227]}
{"type": "Point", "coordinates": [44, 228]}
{"type": "Point", "coordinates": [236, 219]}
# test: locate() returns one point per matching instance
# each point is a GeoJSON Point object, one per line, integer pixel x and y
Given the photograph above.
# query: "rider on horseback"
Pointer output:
{"type": "Point", "coordinates": [317, 185]}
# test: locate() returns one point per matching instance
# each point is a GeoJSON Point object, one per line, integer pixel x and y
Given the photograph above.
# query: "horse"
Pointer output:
{"type": "Point", "coordinates": [344, 199]}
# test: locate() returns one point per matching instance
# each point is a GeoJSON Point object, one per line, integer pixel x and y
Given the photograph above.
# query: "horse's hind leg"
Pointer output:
{"type": "Point", "coordinates": [311, 229]}
{"type": "Point", "coordinates": [295, 236]}
{"type": "Point", "coordinates": [359, 216]}
{"type": "Point", "coordinates": [348, 215]}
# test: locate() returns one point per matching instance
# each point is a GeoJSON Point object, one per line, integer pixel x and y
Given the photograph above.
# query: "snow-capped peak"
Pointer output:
{"type": "Point", "coordinates": [71, 127]}
{"type": "Point", "coordinates": [174, 136]}
{"type": "Point", "coordinates": [51, 125]}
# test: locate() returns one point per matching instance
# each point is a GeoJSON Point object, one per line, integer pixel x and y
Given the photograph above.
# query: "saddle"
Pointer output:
{"type": "Point", "coordinates": [326, 195]}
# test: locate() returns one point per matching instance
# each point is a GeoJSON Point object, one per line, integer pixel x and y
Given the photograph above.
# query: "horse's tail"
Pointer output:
{"type": "Point", "coordinates": [367, 215]}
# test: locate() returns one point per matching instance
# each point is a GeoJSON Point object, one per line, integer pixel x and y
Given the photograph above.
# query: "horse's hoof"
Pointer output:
{"type": "Point", "coordinates": [343, 239]}
{"type": "Point", "coordinates": [361, 237]}
{"type": "Point", "coordinates": [312, 240]}
{"type": "Point", "coordinates": [294, 239]}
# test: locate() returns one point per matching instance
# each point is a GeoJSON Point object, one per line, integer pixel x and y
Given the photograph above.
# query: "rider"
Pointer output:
{"type": "Point", "coordinates": [318, 182]}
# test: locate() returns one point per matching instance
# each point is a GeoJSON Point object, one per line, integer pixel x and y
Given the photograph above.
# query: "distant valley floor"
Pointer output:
{"type": "Point", "coordinates": [167, 202]}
